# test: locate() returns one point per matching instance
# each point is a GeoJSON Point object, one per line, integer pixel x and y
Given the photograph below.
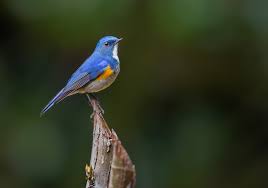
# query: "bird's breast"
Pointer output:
{"type": "Point", "coordinates": [102, 81]}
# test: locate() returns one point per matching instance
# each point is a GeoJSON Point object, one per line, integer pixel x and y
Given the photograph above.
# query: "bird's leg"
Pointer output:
{"type": "Point", "coordinates": [91, 102]}
{"type": "Point", "coordinates": [94, 97]}
{"type": "Point", "coordinates": [95, 104]}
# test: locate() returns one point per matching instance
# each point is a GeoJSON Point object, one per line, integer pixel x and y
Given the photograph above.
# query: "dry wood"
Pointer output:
{"type": "Point", "coordinates": [110, 166]}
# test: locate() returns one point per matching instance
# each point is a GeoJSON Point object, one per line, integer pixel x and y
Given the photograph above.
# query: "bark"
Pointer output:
{"type": "Point", "coordinates": [110, 166]}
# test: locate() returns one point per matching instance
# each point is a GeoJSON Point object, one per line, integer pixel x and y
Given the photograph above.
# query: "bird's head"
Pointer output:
{"type": "Point", "coordinates": [108, 46]}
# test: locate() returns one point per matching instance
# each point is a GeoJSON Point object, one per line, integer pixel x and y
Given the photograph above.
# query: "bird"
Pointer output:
{"type": "Point", "coordinates": [96, 73]}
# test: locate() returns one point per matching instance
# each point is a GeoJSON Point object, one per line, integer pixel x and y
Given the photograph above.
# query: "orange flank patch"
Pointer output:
{"type": "Point", "coordinates": [108, 72]}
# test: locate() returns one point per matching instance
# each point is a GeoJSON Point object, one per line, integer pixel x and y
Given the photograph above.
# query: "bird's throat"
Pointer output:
{"type": "Point", "coordinates": [115, 52]}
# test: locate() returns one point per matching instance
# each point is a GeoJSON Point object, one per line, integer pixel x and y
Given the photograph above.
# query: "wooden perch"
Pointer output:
{"type": "Point", "coordinates": [110, 166]}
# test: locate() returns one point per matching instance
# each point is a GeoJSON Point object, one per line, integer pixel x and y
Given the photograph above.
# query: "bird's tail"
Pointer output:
{"type": "Point", "coordinates": [59, 97]}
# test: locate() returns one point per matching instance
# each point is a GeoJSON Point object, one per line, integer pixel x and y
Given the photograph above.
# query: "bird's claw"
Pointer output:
{"type": "Point", "coordinates": [99, 111]}
{"type": "Point", "coordinates": [92, 115]}
{"type": "Point", "coordinates": [93, 100]}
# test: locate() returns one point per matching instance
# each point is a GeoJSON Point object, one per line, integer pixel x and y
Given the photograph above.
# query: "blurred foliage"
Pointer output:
{"type": "Point", "coordinates": [190, 103]}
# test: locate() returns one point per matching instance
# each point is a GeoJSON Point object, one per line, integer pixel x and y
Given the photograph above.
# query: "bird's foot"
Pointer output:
{"type": "Point", "coordinates": [92, 115]}
{"type": "Point", "coordinates": [95, 105]}
{"type": "Point", "coordinates": [100, 108]}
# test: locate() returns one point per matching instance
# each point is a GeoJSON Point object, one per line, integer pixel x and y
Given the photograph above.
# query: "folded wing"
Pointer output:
{"type": "Point", "coordinates": [81, 77]}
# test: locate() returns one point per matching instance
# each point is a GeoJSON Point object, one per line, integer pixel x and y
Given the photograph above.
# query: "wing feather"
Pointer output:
{"type": "Point", "coordinates": [79, 82]}
{"type": "Point", "coordinates": [86, 73]}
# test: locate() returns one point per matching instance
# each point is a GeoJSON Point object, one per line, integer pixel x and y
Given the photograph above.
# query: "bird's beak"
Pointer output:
{"type": "Point", "coordinates": [118, 40]}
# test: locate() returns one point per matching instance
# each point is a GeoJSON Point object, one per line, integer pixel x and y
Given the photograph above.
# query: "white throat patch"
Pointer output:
{"type": "Point", "coordinates": [115, 52]}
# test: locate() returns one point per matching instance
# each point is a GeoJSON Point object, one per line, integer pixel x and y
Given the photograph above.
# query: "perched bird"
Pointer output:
{"type": "Point", "coordinates": [96, 73]}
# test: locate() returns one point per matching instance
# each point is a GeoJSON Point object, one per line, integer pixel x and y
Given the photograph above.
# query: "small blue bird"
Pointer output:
{"type": "Point", "coordinates": [97, 72]}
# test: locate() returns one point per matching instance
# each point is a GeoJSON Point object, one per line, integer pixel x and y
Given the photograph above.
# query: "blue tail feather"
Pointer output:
{"type": "Point", "coordinates": [59, 97]}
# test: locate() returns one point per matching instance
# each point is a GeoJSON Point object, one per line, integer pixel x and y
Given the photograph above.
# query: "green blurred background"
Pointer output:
{"type": "Point", "coordinates": [190, 103]}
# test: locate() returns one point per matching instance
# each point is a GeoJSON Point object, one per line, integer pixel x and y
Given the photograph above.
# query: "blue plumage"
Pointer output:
{"type": "Point", "coordinates": [95, 74]}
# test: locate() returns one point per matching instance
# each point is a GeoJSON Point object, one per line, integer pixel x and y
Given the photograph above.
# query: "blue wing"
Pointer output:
{"type": "Point", "coordinates": [87, 72]}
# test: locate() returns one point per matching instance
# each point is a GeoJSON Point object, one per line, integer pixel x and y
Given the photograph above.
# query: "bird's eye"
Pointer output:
{"type": "Point", "coordinates": [106, 44]}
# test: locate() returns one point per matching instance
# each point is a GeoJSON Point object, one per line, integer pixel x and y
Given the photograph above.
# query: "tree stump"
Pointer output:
{"type": "Point", "coordinates": [110, 165]}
